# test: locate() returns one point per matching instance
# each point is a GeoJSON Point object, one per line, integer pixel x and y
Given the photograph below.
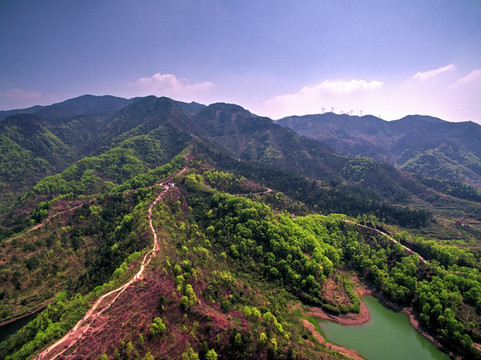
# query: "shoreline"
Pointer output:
{"type": "Point", "coordinates": [363, 316]}
{"type": "Point", "coordinates": [414, 322]}
{"type": "Point", "coordinates": [353, 354]}
{"type": "Point", "coordinates": [343, 319]}
{"type": "Point", "coordinates": [28, 313]}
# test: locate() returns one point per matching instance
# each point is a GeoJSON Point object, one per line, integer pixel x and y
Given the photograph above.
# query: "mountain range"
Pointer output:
{"type": "Point", "coordinates": [420, 144]}
{"type": "Point", "coordinates": [47, 141]}
{"type": "Point", "coordinates": [165, 229]}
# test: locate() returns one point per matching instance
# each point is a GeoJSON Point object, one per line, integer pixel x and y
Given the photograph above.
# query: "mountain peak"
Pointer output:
{"type": "Point", "coordinates": [227, 107]}
{"type": "Point", "coordinates": [86, 104]}
{"type": "Point", "coordinates": [421, 118]}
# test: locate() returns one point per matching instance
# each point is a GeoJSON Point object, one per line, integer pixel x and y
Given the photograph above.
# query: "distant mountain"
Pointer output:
{"type": "Point", "coordinates": [148, 132]}
{"type": "Point", "coordinates": [192, 107]}
{"type": "Point", "coordinates": [259, 139]}
{"type": "Point", "coordinates": [421, 144]}
{"type": "Point", "coordinates": [92, 125]}
{"type": "Point", "coordinates": [6, 113]}
{"type": "Point", "coordinates": [82, 105]}
{"type": "Point", "coordinates": [249, 137]}
{"type": "Point", "coordinates": [45, 140]}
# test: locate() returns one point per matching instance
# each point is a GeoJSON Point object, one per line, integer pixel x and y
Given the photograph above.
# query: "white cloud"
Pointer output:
{"type": "Point", "coordinates": [433, 73]}
{"type": "Point", "coordinates": [388, 99]}
{"type": "Point", "coordinates": [336, 87]}
{"type": "Point", "coordinates": [346, 86]}
{"type": "Point", "coordinates": [170, 85]}
{"type": "Point", "coordinates": [343, 95]}
{"type": "Point", "coordinates": [474, 77]}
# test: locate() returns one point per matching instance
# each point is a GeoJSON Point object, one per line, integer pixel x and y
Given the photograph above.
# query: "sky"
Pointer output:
{"type": "Point", "coordinates": [275, 58]}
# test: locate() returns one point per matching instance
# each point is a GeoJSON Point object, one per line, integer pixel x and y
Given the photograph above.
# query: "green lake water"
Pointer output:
{"type": "Point", "coordinates": [388, 335]}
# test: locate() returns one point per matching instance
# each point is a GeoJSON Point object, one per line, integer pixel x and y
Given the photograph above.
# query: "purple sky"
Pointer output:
{"type": "Point", "coordinates": [276, 58]}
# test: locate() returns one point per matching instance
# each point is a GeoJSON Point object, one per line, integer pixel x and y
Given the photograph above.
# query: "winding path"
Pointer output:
{"type": "Point", "coordinates": [267, 190]}
{"type": "Point", "coordinates": [50, 217]}
{"type": "Point", "coordinates": [408, 250]}
{"type": "Point", "coordinates": [106, 300]}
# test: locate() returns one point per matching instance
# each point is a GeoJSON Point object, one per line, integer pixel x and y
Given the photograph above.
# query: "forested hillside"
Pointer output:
{"type": "Point", "coordinates": [421, 144]}
{"type": "Point", "coordinates": [160, 229]}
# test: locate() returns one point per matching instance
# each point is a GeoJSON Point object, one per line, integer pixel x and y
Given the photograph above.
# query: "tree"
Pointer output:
{"type": "Point", "coordinates": [148, 356]}
{"type": "Point", "coordinates": [262, 338]}
{"type": "Point", "coordinates": [184, 303]}
{"type": "Point", "coordinates": [211, 355]}
{"type": "Point", "coordinates": [158, 327]}
{"type": "Point", "coordinates": [189, 292]}
{"type": "Point", "coordinates": [273, 345]}
{"type": "Point", "coordinates": [190, 354]}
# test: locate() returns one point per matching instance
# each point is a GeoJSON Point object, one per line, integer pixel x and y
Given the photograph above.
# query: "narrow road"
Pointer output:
{"type": "Point", "coordinates": [106, 300]}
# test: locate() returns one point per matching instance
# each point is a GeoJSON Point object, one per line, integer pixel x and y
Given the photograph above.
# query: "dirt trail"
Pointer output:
{"type": "Point", "coordinates": [388, 237]}
{"type": "Point", "coordinates": [50, 217]}
{"type": "Point", "coordinates": [266, 191]}
{"type": "Point", "coordinates": [106, 300]}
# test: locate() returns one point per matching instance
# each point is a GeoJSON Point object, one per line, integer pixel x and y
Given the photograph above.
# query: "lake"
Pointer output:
{"type": "Point", "coordinates": [387, 335]}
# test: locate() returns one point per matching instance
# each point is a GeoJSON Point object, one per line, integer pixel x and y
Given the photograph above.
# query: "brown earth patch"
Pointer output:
{"type": "Point", "coordinates": [313, 331]}
{"type": "Point", "coordinates": [334, 293]}
{"type": "Point", "coordinates": [344, 319]}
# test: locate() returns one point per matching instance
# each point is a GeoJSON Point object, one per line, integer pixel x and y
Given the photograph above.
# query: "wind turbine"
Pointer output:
{"type": "Point", "coordinates": [332, 109]}
{"type": "Point", "coordinates": [323, 110]}
{"type": "Point", "coordinates": [361, 113]}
